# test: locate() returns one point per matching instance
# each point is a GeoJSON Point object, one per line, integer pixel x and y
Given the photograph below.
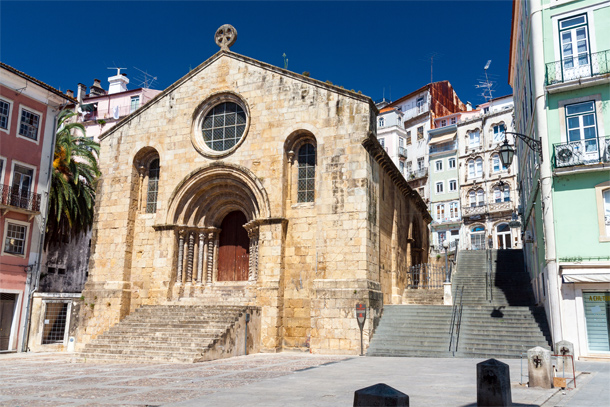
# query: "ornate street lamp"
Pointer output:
{"type": "Point", "coordinates": [507, 152]}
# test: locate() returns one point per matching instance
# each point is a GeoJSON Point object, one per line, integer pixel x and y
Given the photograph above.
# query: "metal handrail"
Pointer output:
{"type": "Point", "coordinates": [454, 318]}
{"type": "Point", "coordinates": [488, 283]}
{"type": "Point", "coordinates": [577, 67]}
{"type": "Point", "coordinates": [459, 323]}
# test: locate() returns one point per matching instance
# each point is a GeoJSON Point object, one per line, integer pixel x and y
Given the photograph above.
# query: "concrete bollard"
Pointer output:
{"type": "Point", "coordinates": [564, 364]}
{"type": "Point", "coordinates": [493, 384]}
{"type": "Point", "coordinates": [539, 368]}
{"type": "Point", "coordinates": [380, 395]}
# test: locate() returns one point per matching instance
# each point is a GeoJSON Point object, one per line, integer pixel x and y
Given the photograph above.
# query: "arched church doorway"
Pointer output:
{"type": "Point", "coordinates": [233, 253]}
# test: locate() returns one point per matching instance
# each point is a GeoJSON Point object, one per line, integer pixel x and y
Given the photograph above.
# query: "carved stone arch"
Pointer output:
{"type": "Point", "coordinates": [142, 161]}
{"type": "Point", "coordinates": [217, 184]}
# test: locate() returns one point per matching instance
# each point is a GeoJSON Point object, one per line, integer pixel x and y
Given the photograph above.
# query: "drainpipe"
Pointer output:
{"type": "Point", "coordinates": [35, 270]}
{"type": "Point", "coordinates": [546, 175]}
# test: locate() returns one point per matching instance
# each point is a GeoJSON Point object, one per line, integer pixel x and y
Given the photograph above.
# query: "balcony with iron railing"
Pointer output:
{"type": "Point", "coordinates": [419, 173]}
{"type": "Point", "coordinates": [579, 67]}
{"type": "Point", "coordinates": [402, 152]}
{"type": "Point", "coordinates": [14, 198]}
{"type": "Point", "coordinates": [582, 152]}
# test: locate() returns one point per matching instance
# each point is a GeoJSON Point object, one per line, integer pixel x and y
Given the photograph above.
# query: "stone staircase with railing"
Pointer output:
{"type": "Point", "coordinates": [174, 333]}
{"type": "Point", "coordinates": [500, 323]}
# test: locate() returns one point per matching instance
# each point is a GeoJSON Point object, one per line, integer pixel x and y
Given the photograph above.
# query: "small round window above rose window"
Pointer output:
{"type": "Point", "coordinates": [224, 126]}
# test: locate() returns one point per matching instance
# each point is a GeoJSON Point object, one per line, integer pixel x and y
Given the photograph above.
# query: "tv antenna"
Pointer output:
{"type": "Point", "coordinates": [118, 70]}
{"type": "Point", "coordinates": [145, 80]}
{"type": "Point", "coordinates": [486, 84]}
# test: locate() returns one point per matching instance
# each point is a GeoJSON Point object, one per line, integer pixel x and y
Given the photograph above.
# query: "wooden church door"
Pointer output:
{"type": "Point", "coordinates": [233, 255]}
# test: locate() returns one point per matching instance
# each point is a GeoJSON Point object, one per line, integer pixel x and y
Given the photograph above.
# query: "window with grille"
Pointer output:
{"type": "Point", "coordinates": [28, 127]}
{"type": "Point", "coordinates": [54, 322]}
{"type": "Point", "coordinates": [224, 126]}
{"type": "Point", "coordinates": [307, 173]}
{"type": "Point", "coordinates": [153, 186]}
{"type": "Point", "coordinates": [14, 243]}
{"type": "Point", "coordinates": [5, 109]}
{"type": "Point", "coordinates": [420, 132]}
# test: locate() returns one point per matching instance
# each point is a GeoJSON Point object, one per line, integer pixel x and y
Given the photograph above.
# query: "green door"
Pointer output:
{"type": "Point", "coordinates": [597, 315]}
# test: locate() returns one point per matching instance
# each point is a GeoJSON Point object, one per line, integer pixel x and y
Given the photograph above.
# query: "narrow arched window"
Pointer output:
{"type": "Point", "coordinates": [307, 173]}
{"type": "Point", "coordinates": [153, 186]}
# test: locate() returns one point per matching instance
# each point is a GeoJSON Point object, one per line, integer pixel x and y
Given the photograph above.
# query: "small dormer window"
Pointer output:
{"type": "Point", "coordinates": [443, 123]}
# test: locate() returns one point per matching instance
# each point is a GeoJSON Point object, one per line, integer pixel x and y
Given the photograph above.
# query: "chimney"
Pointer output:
{"type": "Point", "coordinates": [81, 93]}
{"type": "Point", "coordinates": [468, 106]}
{"type": "Point", "coordinates": [118, 83]}
{"type": "Point", "coordinates": [70, 93]}
{"type": "Point", "coordinates": [96, 88]}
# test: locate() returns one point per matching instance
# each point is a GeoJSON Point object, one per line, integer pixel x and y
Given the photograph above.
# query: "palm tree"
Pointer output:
{"type": "Point", "coordinates": [75, 172]}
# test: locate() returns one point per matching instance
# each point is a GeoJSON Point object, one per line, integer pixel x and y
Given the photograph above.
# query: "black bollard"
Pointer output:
{"type": "Point", "coordinates": [380, 395]}
{"type": "Point", "coordinates": [493, 384]}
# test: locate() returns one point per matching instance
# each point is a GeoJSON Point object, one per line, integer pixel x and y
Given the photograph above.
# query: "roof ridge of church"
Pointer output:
{"type": "Point", "coordinates": [244, 58]}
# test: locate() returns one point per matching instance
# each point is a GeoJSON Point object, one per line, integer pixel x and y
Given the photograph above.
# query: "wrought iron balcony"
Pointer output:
{"type": "Point", "coordinates": [14, 197]}
{"type": "Point", "coordinates": [402, 152]}
{"type": "Point", "coordinates": [420, 173]}
{"type": "Point", "coordinates": [572, 68]}
{"type": "Point", "coordinates": [582, 152]}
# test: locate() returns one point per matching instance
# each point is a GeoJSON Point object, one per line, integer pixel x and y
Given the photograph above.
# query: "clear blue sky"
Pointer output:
{"type": "Point", "coordinates": [365, 46]}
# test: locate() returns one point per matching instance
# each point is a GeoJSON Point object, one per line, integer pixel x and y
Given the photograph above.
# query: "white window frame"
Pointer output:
{"type": "Point", "coordinates": [40, 123]}
{"type": "Point", "coordinates": [454, 183]}
{"type": "Point", "coordinates": [44, 314]}
{"type": "Point", "coordinates": [381, 122]}
{"type": "Point", "coordinates": [453, 209]}
{"type": "Point", "coordinates": [443, 122]}
{"type": "Point", "coordinates": [596, 98]}
{"type": "Point", "coordinates": [589, 12]}
{"type": "Point", "coordinates": [471, 139]}
{"type": "Point", "coordinates": [381, 141]}
{"type": "Point", "coordinates": [499, 136]}
{"type": "Point", "coordinates": [25, 242]}
{"type": "Point", "coordinates": [438, 166]}
{"type": "Point", "coordinates": [440, 212]}
{"type": "Point", "coordinates": [453, 120]}
{"type": "Point", "coordinates": [451, 163]}
{"type": "Point", "coordinates": [496, 158]}
{"type": "Point", "coordinates": [442, 187]}
{"type": "Point", "coordinates": [131, 100]}
{"type": "Point", "coordinates": [421, 160]}
{"type": "Point", "coordinates": [10, 114]}
{"type": "Point", "coordinates": [33, 188]}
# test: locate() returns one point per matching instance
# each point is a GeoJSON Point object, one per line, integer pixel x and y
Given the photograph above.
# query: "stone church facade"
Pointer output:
{"type": "Point", "coordinates": [246, 184]}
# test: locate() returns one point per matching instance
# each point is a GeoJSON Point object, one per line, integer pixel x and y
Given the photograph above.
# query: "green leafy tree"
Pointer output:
{"type": "Point", "coordinates": [75, 171]}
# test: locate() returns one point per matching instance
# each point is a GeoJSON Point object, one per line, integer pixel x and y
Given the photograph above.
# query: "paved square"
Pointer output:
{"type": "Point", "coordinates": [31, 380]}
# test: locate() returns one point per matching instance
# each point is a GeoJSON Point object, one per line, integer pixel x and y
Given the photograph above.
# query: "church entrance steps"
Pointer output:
{"type": "Point", "coordinates": [502, 328]}
{"type": "Point", "coordinates": [177, 333]}
{"type": "Point", "coordinates": [236, 295]}
{"type": "Point", "coordinates": [422, 297]}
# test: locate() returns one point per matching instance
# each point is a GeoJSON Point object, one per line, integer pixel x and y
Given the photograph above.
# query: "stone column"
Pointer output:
{"type": "Point", "coordinates": [189, 259]}
{"type": "Point", "coordinates": [210, 257]}
{"type": "Point", "coordinates": [180, 256]}
{"type": "Point", "coordinates": [290, 169]}
{"type": "Point", "coordinates": [142, 172]}
{"type": "Point", "coordinates": [253, 252]}
{"type": "Point", "coordinates": [200, 247]}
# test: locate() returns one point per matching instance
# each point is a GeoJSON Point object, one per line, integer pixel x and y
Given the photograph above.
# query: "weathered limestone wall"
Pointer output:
{"type": "Point", "coordinates": [315, 260]}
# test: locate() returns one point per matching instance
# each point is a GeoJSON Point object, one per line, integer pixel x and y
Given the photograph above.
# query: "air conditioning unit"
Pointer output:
{"type": "Point", "coordinates": [528, 237]}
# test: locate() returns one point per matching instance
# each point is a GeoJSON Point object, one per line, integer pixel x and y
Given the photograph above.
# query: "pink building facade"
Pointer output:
{"type": "Point", "coordinates": [28, 112]}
